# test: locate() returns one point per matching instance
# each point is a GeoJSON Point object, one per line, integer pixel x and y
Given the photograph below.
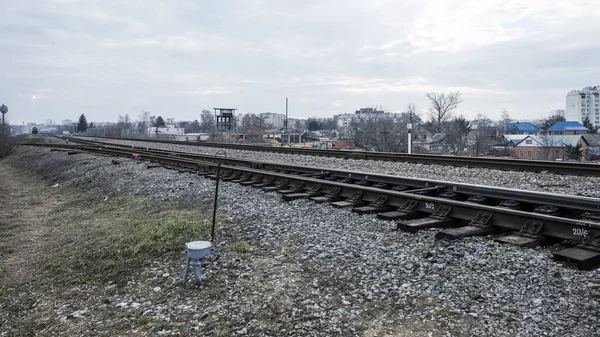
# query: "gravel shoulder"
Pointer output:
{"type": "Point", "coordinates": [278, 269]}
{"type": "Point", "coordinates": [543, 182]}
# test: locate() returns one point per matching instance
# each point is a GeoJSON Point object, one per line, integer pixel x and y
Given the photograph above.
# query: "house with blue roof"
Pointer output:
{"type": "Point", "coordinates": [568, 128]}
{"type": "Point", "coordinates": [520, 128]}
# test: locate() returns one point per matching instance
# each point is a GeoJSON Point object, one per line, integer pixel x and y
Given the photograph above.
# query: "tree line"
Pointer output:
{"type": "Point", "coordinates": [145, 125]}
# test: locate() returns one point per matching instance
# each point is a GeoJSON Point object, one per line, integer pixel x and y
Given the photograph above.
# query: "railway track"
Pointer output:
{"type": "Point", "coordinates": [520, 217]}
{"type": "Point", "coordinates": [566, 168]}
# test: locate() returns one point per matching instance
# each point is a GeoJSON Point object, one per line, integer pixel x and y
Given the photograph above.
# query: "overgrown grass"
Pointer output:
{"type": "Point", "coordinates": [109, 239]}
{"type": "Point", "coordinates": [7, 142]}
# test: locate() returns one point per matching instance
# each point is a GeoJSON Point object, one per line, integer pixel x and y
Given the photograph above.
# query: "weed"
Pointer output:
{"type": "Point", "coordinates": [442, 312]}
{"type": "Point", "coordinates": [240, 247]}
{"type": "Point", "coordinates": [222, 332]}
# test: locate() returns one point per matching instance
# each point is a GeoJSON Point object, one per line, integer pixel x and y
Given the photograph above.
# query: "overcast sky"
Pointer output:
{"type": "Point", "coordinates": [103, 58]}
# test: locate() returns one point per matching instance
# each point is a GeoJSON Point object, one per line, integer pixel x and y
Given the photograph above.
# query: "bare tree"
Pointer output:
{"type": "Point", "coordinates": [457, 131]}
{"type": "Point", "coordinates": [555, 116]}
{"type": "Point", "coordinates": [207, 122]}
{"type": "Point", "coordinates": [483, 134]}
{"type": "Point", "coordinates": [548, 146]}
{"type": "Point", "coordinates": [505, 116]}
{"type": "Point", "coordinates": [125, 125]}
{"type": "Point", "coordinates": [145, 123]}
{"type": "Point", "coordinates": [413, 114]}
{"type": "Point", "coordinates": [379, 134]}
{"type": "Point", "coordinates": [253, 127]}
{"type": "Point", "coordinates": [192, 127]}
{"type": "Point", "coordinates": [442, 105]}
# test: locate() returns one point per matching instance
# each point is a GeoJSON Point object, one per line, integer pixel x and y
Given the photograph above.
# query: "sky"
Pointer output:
{"type": "Point", "coordinates": [62, 58]}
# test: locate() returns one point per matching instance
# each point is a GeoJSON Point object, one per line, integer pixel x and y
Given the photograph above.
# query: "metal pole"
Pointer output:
{"type": "Point", "coordinates": [214, 217]}
{"type": "Point", "coordinates": [286, 115]}
{"type": "Point", "coordinates": [409, 127]}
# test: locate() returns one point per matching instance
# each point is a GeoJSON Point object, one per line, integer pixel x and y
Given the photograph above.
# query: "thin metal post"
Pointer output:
{"type": "Point", "coordinates": [286, 115]}
{"type": "Point", "coordinates": [214, 217]}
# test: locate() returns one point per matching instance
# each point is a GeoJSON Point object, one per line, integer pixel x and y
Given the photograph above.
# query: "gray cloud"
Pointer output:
{"type": "Point", "coordinates": [104, 58]}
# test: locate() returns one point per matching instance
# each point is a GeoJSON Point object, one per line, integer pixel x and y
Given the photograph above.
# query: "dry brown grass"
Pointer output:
{"type": "Point", "coordinates": [53, 239]}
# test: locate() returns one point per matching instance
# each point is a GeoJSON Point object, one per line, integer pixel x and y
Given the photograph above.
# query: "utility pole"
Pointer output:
{"type": "Point", "coordinates": [286, 120]}
{"type": "Point", "coordinates": [385, 133]}
{"type": "Point", "coordinates": [409, 127]}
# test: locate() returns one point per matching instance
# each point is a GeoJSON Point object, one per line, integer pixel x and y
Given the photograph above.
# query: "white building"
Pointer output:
{"type": "Point", "coordinates": [169, 129]}
{"type": "Point", "coordinates": [274, 119]}
{"type": "Point", "coordinates": [584, 103]}
{"type": "Point", "coordinates": [344, 120]}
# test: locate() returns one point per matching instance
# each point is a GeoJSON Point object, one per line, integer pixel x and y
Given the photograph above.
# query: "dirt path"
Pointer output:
{"type": "Point", "coordinates": [26, 232]}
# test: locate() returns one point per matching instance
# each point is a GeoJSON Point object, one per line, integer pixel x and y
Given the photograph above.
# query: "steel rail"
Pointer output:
{"type": "Point", "coordinates": [567, 168]}
{"type": "Point", "coordinates": [505, 218]}
{"type": "Point", "coordinates": [579, 203]}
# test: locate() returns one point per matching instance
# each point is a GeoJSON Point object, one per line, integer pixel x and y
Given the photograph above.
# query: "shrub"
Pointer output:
{"type": "Point", "coordinates": [7, 143]}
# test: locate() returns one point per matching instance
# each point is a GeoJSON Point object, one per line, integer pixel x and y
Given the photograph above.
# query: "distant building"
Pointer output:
{"type": "Point", "coordinates": [592, 150]}
{"type": "Point", "coordinates": [344, 120]}
{"type": "Point", "coordinates": [547, 147]}
{"type": "Point", "coordinates": [438, 143]}
{"type": "Point", "coordinates": [520, 128]}
{"type": "Point", "coordinates": [567, 128]}
{"type": "Point", "coordinates": [276, 120]}
{"type": "Point", "coordinates": [226, 120]}
{"type": "Point", "coordinates": [296, 124]}
{"type": "Point", "coordinates": [170, 128]}
{"type": "Point", "coordinates": [584, 103]}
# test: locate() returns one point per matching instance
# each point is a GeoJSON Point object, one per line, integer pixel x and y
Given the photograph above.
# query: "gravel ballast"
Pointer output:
{"type": "Point", "coordinates": [543, 182]}
{"type": "Point", "coordinates": [313, 270]}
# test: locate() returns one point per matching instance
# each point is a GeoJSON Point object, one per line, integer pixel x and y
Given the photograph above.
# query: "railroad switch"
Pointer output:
{"type": "Point", "coordinates": [530, 235]}
{"type": "Point", "coordinates": [331, 196]}
{"type": "Point", "coordinates": [450, 195]}
{"type": "Point", "coordinates": [548, 210]}
{"type": "Point", "coordinates": [480, 225]}
{"type": "Point", "coordinates": [255, 180]}
{"type": "Point", "coordinates": [478, 199]}
{"type": "Point", "coordinates": [230, 177]}
{"type": "Point", "coordinates": [363, 182]}
{"type": "Point", "coordinates": [377, 206]}
{"type": "Point", "coordinates": [407, 211]}
{"type": "Point", "coordinates": [511, 204]}
{"type": "Point", "coordinates": [586, 255]}
{"type": "Point", "coordinates": [439, 219]}
{"type": "Point", "coordinates": [270, 181]}
{"type": "Point", "coordinates": [591, 216]}
{"type": "Point", "coordinates": [355, 200]}
{"type": "Point", "coordinates": [314, 191]}
{"type": "Point", "coordinates": [279, 185]}
{"type": "Point", "coordinates": [242, 178]}
{"type": "Point", "coordinates": [295, 188]}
